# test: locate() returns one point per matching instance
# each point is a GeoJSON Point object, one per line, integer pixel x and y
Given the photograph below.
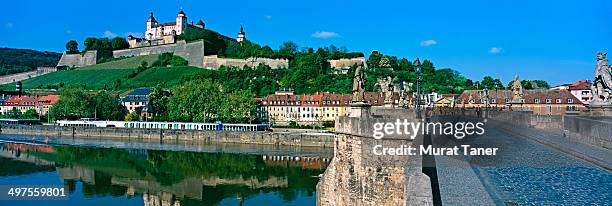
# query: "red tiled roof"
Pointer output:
{"type": "Point", "coordinates": [530, 96]}
{"type": "Point", "coordinates": [49, 99]}
{"type": "Point", "coordinates": [581, 85]}
{"type": "Point", "coordinates": [21, 101]}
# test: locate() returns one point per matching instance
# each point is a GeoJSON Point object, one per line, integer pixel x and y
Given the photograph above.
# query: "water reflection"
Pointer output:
{"type": "Point", "coordinates": [168, 177]}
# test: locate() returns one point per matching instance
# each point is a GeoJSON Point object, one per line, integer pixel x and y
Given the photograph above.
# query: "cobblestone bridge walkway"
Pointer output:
{"type": "Point", "coordinates": [532, 167]}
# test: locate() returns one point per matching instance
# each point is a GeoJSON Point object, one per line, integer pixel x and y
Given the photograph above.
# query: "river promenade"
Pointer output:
{"type": "Point", "coordinates": [284, 137]}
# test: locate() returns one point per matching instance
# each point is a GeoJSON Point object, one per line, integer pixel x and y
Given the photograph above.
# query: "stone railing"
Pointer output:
{"type": "Point", "coordinates": [593, 131]}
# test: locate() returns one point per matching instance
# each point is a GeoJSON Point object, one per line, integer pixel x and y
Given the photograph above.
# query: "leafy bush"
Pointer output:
{"type": "Point", "coordinates": [166, 59]}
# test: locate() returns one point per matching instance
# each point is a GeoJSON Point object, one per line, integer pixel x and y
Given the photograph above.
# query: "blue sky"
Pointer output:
{"type": "Point", "coordinates": [551, 40]}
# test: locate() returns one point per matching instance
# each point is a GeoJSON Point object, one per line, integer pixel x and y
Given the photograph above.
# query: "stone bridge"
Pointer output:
{"type": "Point", "coordinates": [541, 160]}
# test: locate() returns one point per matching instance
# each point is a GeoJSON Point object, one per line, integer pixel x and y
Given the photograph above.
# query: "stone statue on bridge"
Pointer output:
{"type": "Point", "coordinates": [405, 95]}
{"type": "Point", "coordinates": [602, 84]}
{"type": "Point", "coordinates": [517, 90]}
{"type": "Point", "coordinates": [359, 85]}
{"type": "Point", "coordinates": [386, 87]}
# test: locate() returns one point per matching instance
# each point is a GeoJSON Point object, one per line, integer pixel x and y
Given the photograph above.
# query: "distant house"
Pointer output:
{"type": "Point", "coordinates": [581, 89]}
{"type": "Point", "coordinates": [547, 102]}
{"type": "Point", "coordinates": [283, 107]}
{"type": "Point", "coordinates": [138, 101]}
{"type": "Point", "coordinates": [44, 103]}
{"type": "Point", "coordinates": [20, 103]}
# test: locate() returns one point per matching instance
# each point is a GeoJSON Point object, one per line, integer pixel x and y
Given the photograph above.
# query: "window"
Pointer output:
{"type": "Point", "coordinates": [537, 101]}
{"type": "Point", "coordinates": [570, 101]}
{"type": "Point", "coordinates": [507, 100]}
{"type": "Point", "coordinates": [558, 100]}
{"type": "Point", "coordinates": [548, 101]}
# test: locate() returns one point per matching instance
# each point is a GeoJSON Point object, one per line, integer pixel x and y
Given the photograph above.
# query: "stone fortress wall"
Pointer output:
{"type": "Point", "coordinates": [339, 63]}
{"type": "Point", "coordinates": [214, 62]}
{"type": "Point", "coordinates": [78, 60]}
{"type": "Point", "coordinates": [26, 75]}
{"type": "Point", "coordinates": [193, 52]}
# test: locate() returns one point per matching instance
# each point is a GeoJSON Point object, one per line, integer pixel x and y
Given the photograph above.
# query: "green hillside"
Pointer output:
{"type": "Point", "coordinates": [22, 60]}
{"type": "Point", "coordinates": [128, 63]}
{"type": "Point", "coordinates": [110, 79]}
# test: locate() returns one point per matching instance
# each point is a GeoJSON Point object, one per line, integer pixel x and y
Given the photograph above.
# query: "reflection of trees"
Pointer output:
{"type": "Point", "coordinates": [11, 167]}
{"type": "Point", "coordinates": [171, 167]}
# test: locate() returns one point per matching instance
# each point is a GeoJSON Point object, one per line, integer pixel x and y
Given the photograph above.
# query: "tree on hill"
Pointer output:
{"type": "Point", "coordinates": [105, 44]}
{"type": "Point", "coordinates": [92, 43]}
{"type": "Point", "coordinates": [215, 42]}
{"type": "Point", "coordinates": [72, 47]}
{"type": "Point", "coordinates": [374, 59]}
{"type": "Point", "coordinates": [288, 49]}
{"type": "Point", "coordinates": [119, 43]}
{"type": "Point", "coordinates": [23, 60]}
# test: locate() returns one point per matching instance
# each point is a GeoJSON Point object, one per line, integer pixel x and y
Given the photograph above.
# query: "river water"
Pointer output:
{"type": "Point", "coordinates": [112, 172]}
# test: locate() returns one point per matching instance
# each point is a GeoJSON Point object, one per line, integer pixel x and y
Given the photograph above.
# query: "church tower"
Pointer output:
{"type": "Point", "coordinates": [241, 34]}
{"type": "Point", "coordinates": [181, 22]}
{"type": "Point", "coordinates": [151, 22]}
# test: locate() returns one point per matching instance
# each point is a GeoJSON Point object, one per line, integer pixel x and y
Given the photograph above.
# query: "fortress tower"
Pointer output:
{"type": "Point", "coordinates": [241, 34]}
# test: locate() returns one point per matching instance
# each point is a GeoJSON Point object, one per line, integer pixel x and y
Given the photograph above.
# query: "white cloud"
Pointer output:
{"type": "Point", "coordinates": [268, 17]}
{"type": "Point", "coordinates": [134, 34]}
{"type": "Point", "coordinates": [325, 34]}
{"type": "Point", "coordinates": [109, 34]}
{"type": "Point", "coordinates": [495, 50]}
{"type": "Point", "coordinates": [429, 42]}
{"type": "Point", "coordinates": [8, 25]}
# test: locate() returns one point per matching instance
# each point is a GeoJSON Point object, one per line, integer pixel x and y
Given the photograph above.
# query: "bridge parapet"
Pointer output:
{"type": "Point", "coordinates": [358, 176]}
{"type": "Point", "coordinates": [590, 130]}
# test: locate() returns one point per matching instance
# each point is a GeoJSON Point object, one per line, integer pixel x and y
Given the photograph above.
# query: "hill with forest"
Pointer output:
{"type": "Point", "coordinates": [22, 60]}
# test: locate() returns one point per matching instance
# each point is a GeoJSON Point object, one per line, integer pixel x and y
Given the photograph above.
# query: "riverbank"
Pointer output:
{"type": "Point", "coordinates": [132, 134]}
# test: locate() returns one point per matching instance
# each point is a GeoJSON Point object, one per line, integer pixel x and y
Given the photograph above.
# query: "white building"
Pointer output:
{"type": "Point", "coordinates": [156, 30]}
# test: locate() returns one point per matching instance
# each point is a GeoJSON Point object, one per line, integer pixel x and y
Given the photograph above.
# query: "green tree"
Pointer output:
{"type": "Point", "coordinates": [119, 43]}
{"type": "Point", "coordinates": [132, 116]}
{"type": "Point", "coordinates": [107, 107]}
{"type": "Point", "coordinates": [105, 44]}
{"type": "Point", "coordinates": [92, 43]}
{"type": "Point", "coordinates": [30, 114]}
{"type": "Point", "coordinates": [72, 47]}
{"type": "Point", "coordinates": [288, 49]}
{"type": "Point", "coordinates": [74, 104]}
{"type": "Point", "coordinates": [158, 103]}
{"type": "Point", "coordinates": [374, 59]}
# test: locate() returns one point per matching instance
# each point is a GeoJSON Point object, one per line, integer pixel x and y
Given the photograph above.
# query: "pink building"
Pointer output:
{"type": "Point", "coordinates": [581, 89]}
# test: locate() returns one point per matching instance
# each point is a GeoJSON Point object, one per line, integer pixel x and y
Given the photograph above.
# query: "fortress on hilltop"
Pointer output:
{"type": "Point", "coordinates": [162, 38]}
